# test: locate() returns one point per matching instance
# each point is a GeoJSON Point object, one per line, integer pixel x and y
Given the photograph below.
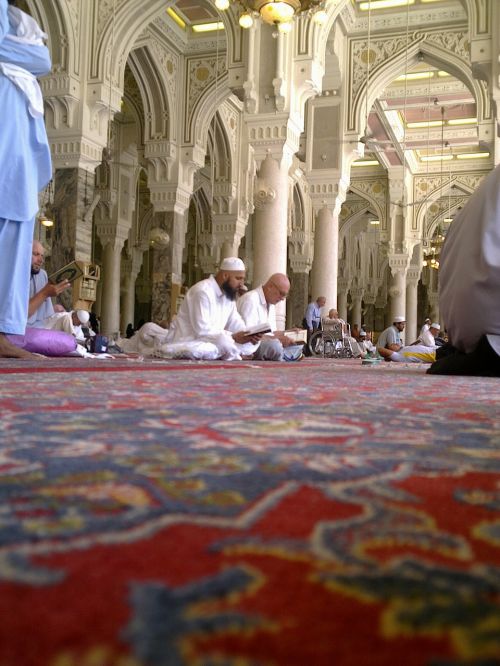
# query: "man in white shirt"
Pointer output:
{"type": "Point", "coordinates": [69, 322]}
{"type": "Point", "coordinates": [469, 286]}
{"type": "Point", "coordinates": [428, 337]}
{"type": "Point", "coordinates": [208, 313]}
{"type": "Point", "coordinates": [258, 306]}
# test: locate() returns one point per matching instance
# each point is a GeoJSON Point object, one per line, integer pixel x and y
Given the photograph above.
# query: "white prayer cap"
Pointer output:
{"type": "Point", "coordinates": [232, 264]}
{"type": "Point", "coordinates": [362, 333]}
{"type": "Point", "coordinates": [83, 316]}
{"type": "Point", "coordinates": [435, 325]}
{"type": "Point", "coordinates": [398, 320]}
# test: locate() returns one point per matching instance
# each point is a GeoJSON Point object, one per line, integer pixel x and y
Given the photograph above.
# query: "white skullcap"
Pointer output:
{"type": "Point", "coordinates": [436, 326]}
{"type": "Point", "coordinates": [232, 264]}
{"type": "Point", "coordinates": [362, 333]}
{"type": "Point", "coordinates": [83, 316]}
{"type": "Point", "coordinates": [398, 320]}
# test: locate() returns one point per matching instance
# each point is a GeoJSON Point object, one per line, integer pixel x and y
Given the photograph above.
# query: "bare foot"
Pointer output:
{"type": "Point", "coordinates": [8, 350]}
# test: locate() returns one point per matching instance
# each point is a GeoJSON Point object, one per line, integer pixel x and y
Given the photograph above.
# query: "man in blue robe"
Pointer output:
{"type": "Point", "coordinates": [25, 164]}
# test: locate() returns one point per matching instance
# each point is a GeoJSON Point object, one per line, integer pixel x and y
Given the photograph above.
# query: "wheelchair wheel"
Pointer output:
{"type": "Point", "coordinates": [316, 344]}
{"type": "Point", "coordinates": [322, 344]}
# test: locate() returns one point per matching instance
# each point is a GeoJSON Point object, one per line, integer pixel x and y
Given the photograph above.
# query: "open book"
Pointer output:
{"type": "Point", "coordinates": [70, 272]}
{"type": "Point", "coordinates": [262, 327]}
{"type": "Point", "coordinates": [297, 335]}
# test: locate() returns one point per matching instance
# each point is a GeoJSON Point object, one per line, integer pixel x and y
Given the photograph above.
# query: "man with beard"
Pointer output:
{"type": "Point", "coordinates": [41, 290]}
{"type": "Point", "coordinates": [208, 313]}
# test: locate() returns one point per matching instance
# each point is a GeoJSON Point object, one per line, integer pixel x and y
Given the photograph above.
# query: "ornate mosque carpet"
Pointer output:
{"type": "Point", "coordinates": [320, 513]}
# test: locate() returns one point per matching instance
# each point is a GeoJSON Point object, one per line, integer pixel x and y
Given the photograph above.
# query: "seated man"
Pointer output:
{"type": "Point", "coordinates": [390, 338]}
{"type": "Point", "coordinates": [428, 337]}
{"type": "Point", "coordinates": [333, 321]}
{"type": "Point", "coordinates": [208, 313]}
{"type": "Point", "coordinates": [365, 343]}
{"type": "Point", "coordinates": [69, 322]}
{"type": "Point", "coordinates": [41, 290]}
{"type": "Point", "coordinates": [469, 286]}
{"type": "Point", "coordinates": [258, 306]}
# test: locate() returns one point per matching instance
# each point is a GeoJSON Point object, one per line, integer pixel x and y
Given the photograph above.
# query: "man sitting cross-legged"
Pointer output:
{"type": "Point", "coordinates": [208, 313]}
{"type": "Point", "coordinates": [258, 306]}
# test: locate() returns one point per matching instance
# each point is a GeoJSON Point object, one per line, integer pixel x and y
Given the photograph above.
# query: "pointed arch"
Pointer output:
{"type": "Point", "coordinates": [154, 93]}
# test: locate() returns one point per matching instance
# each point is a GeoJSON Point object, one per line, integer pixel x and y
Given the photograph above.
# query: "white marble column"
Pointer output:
{"type": "Point", "coordinates": [270, 225]}
{"type": "Point", "coordinates": [270, 220]}
{"type": "Point", "coordinates": [357, 296]}
{"type": "Point", "coordinates": [110, 301]}
{"type": "Point", "coordinates": [411, 306]}
{"type": "Point", "coordinates": [342, 304]}
{"type": "Point", "coordinates": [397, 293]}
{"type": "Point", "coordinates": [325, 261]}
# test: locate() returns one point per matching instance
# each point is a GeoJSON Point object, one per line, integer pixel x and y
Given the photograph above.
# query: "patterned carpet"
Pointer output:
{"type": "Point", "coordinates": [320, 513]}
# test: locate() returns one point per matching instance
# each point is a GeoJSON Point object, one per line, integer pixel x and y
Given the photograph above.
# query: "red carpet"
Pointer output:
{"type": "Point", "coordinates": [315, 513]}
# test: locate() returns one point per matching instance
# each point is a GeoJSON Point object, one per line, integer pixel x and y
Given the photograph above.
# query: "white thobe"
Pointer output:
{"type": "Point", "coordinates": [427, 339]}
{"type": "Point", "coordinates": [469, 272]}
{"type": "Point", "coordinates": [254, 310]}
{"type": "Point", "coordinates": [207, 314]}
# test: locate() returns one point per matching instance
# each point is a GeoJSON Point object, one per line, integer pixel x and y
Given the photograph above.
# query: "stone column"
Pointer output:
{"type": "Point", "coordinates": [110, 299]}
{"type": "Point", "coordinates": [397, 293]}
{"type": "Point", "coordinates": [130, 271]}
{"type": "Point", "coordinates": [412, 278]}
{"type": "Point", "coordinates": [270, 219]}
{"type": "Point", "coordinates": [270, 224]}
{"type": "Point", "coordinates": [325, 261]}
{"type": "Point", "coordinates": [342, 291]}
{"type": "Point", "coordinates": [357, 296]}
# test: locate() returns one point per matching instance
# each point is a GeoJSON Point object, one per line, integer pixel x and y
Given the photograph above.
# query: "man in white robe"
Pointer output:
{"type": "Point", "coordinates": [208, 313]}
{"type": "Point", "coordinates": [259, 306]}
{"type": "Point", "coordinates": [469, 286]}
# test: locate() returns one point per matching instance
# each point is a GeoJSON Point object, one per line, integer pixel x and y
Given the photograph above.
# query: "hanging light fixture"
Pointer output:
{"type": "Point", "coordinates": [159, 238]}
{"type": "Point", "coordinates": [45, 216]}
{"type": "Point", "coordinates": [277, 12]}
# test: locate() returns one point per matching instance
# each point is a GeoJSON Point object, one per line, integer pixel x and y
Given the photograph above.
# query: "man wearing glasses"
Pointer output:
{"type": "Point", "coordinates": [258, 306]}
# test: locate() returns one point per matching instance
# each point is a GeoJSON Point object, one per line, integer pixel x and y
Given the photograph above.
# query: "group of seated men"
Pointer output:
{"type": "Point", "coordinates": [469, 301]}
{"type": "Point", "coordinates": [219, 313]}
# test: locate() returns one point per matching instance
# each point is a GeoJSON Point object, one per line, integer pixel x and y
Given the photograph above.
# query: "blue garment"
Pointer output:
{"type": "Point", "coordinates": [25, 169]}
{"type": "Point", "coordinates": [46, 309]}
{"type": "Point", "coordinates": [25, 163]}
{"type": "Point", "coordinates": [313, 315]}
{"type": "Point", "coordinates": [15, 269]}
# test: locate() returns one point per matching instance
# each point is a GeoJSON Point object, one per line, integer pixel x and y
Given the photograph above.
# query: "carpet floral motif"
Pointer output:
{"type": "Point", "coordinates": [313, 513]}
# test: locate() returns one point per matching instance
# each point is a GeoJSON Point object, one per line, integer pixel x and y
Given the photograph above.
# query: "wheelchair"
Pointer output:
{"type": "Point", "coordinates": [330, 341]}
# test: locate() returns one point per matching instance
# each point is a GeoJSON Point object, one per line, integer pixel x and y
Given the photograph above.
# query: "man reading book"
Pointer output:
{"type": "Point", "coordinates": [41, 290]}
{"type": "Point", "coordinates": [208, 314]}
{"type": "Point", "coordinates": [259, 306]}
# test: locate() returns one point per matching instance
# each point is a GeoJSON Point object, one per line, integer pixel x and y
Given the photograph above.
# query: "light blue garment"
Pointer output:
{"type": "Point", "coordinates": [14, 274]}
{"type": "Point", "coordinates": [25, 169]}
{"type": "Point", "coordinates": [25, 164]}
{"type": "Point", "coordinates": [46, 309]}
{"type": "Point", "coordinates": [313, 315]}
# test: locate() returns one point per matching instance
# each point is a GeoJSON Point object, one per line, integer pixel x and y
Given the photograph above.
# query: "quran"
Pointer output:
{"type": "Point", "coordinates": [262, 327]}
{"type": "Point", "coordinates": [70, 272]}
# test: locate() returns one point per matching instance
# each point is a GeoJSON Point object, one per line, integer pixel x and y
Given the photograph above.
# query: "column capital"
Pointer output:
{"type": "Point", "coordinates": [398, 262]}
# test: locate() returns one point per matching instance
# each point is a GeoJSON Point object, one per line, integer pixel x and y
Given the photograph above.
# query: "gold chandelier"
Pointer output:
{"type": "Point", "coordinates": [276, 12]}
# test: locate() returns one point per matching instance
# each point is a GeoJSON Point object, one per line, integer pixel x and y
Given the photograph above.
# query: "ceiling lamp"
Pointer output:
{"type": "Point", "coordinates": [159, 238]}
{"type": "Point", "coordinates": [45, 221]}
{"type": "Point", "coordinates": [277, 12]}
